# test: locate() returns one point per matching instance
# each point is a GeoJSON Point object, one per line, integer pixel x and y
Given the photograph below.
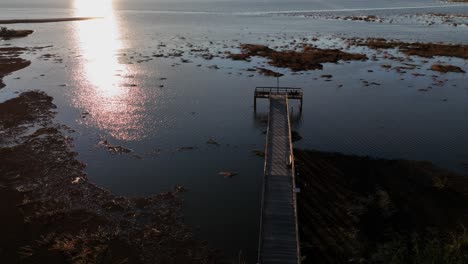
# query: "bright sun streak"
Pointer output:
{"type": "Point", "coordinates": [99, 40]}
{"type": "Point", "coordinates": [103, 91]}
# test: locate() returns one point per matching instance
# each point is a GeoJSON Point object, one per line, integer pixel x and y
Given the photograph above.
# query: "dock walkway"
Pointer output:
{"type": "Point", "coordinates": [279, 239]}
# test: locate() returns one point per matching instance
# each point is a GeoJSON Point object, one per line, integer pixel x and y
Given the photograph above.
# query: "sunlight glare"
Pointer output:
{"type": "Point", "coordinates": [93, 8]}
{"type": "Point", "coordinates": [102, 88]}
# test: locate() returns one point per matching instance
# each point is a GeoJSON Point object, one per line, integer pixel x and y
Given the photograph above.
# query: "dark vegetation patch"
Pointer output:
{"type": "Point", "coordinates": [310, 58]}
{"type": "Point", "coordinates": [28, 109]}
{"type": "Point", "coordinates": [427, 50]}
{"type": "Point", "coordinates": [6, 33]}
{"type": "Point", "coordinates": [446, 68]}
{"type": "Point", "coordinates": [11, 62]}
{"type": "Point", "coordinates": [363, 210]}
{"type": "Point", "coordinates": [52, 214]}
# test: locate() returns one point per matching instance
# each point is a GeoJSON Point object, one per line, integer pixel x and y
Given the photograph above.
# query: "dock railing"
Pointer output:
{"type": "Point", "coordinates": [290, 92]}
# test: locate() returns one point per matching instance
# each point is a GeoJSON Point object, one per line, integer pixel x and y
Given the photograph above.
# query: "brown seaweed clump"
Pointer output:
{"type": "Point", "coordinates": [310, 58]}
{"type": "Point", "coordinates": [11, 62]}
{"type": "Point", "coordinates": [446, 68]}
{"type": "Point", "coordinates": [380, 211]}
{"type": "Point", "coordinates": [52, 214]}
{"type": "Point", "coordinates": [427, 50]}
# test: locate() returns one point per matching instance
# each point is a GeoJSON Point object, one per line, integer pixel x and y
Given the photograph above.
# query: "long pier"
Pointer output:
{"type": "Point", "coordinates": [279, 236]}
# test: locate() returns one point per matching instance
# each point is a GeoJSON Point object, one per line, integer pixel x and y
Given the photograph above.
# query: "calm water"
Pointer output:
{"type": "Point", "coordinates": [106, 73]}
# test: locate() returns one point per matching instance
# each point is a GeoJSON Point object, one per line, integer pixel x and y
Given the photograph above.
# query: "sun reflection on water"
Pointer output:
{"type": "Point", "coordinates": [102, 88]}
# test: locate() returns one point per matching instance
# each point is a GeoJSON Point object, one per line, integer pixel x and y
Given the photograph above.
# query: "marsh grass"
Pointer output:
{"type": "Point", "coordinates": [431, 247]}
{"type": "Point", "coordinates": [356, 209]}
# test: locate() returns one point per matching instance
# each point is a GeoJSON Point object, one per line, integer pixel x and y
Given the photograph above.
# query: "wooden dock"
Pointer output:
{"type": "Point", "coordinates": [279, 238]}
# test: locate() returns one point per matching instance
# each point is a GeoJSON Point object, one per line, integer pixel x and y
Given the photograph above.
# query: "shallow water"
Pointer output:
{"type": "Point", "coordinates": [108, 89]}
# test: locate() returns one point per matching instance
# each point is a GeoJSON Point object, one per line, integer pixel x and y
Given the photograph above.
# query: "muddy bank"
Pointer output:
{"type": "Point", "coordinates": [427, 50]}
{"type": "Point", "coordinates": [11, 62]}
{"type": "Point", "coordinates": [363, 210]}
{"type": "Point", "coordinates": [310, 58]}
{"type": "Point", "coordinates": [47, 20]}
{"type": "Point", "coordinates": [51, 213]}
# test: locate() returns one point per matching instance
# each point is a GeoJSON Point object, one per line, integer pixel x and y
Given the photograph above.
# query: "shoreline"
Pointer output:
{"type": "Point", "coordinates": [45, 20]}
{"type": "Point", "coordinates": [54, 214]}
